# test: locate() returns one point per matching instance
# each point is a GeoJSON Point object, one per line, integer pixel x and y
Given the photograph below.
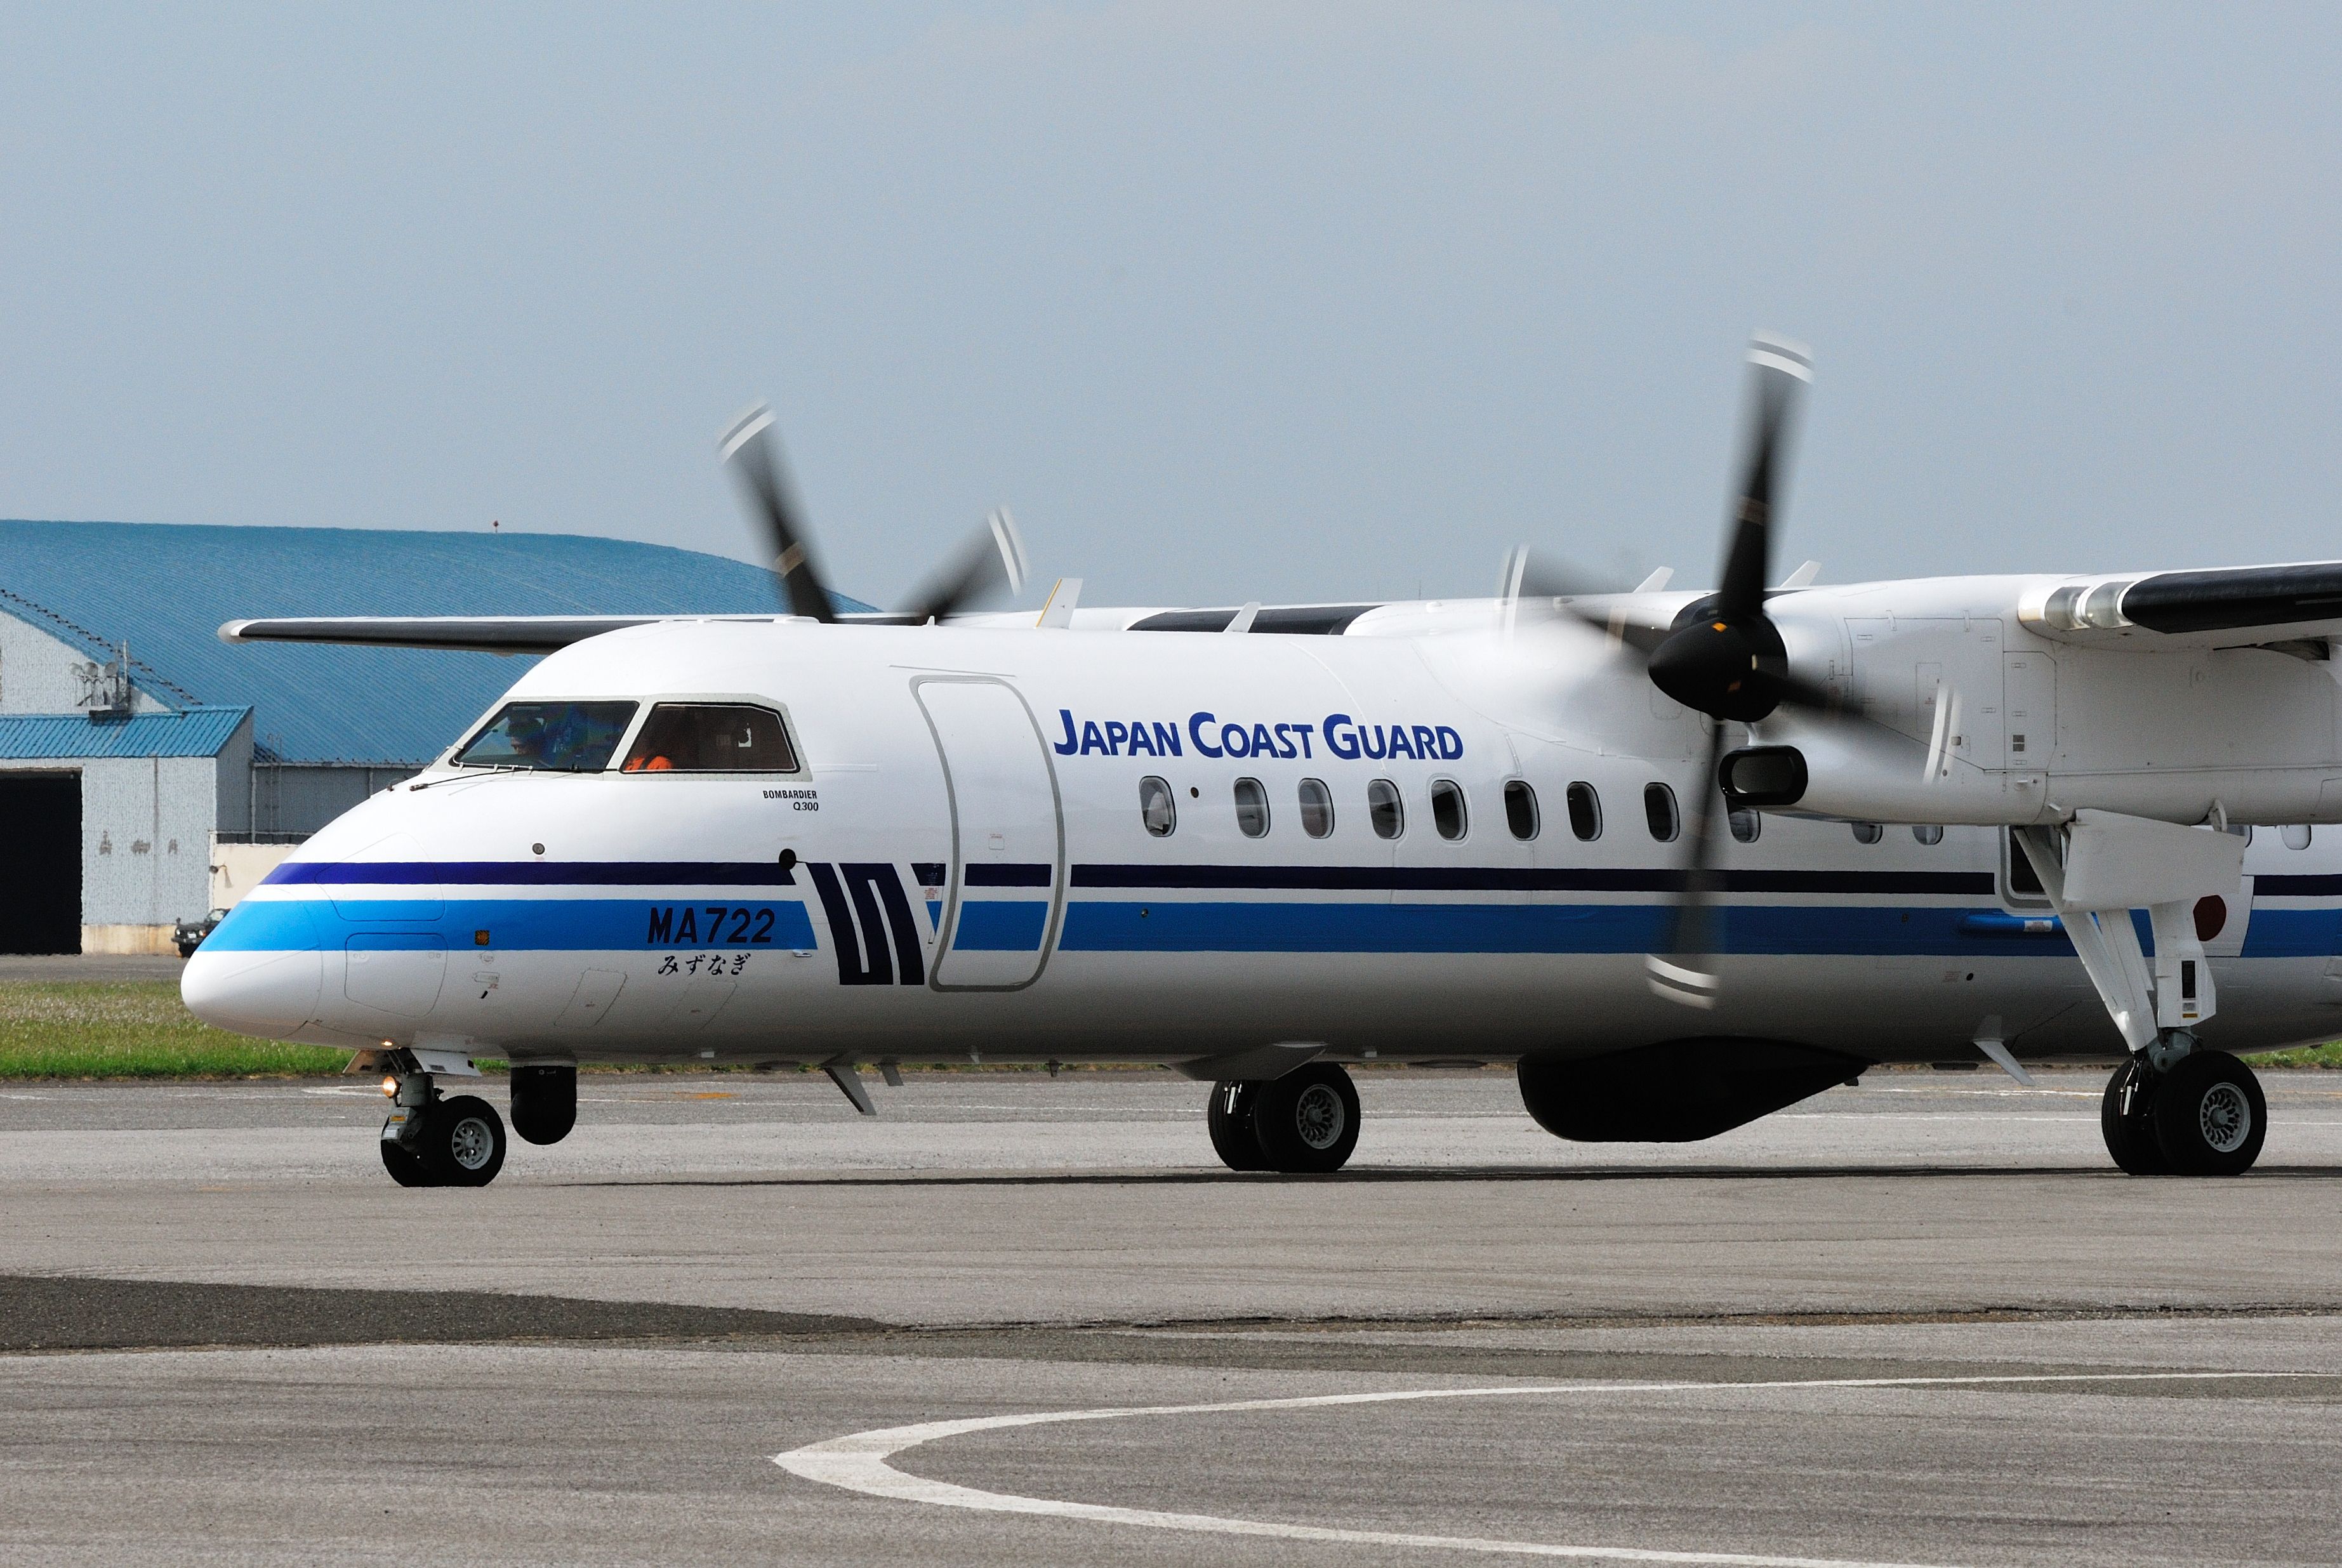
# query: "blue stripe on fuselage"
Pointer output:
{"type": "Point", "coordinates": [1128, 925]}
{"type": "Point", "coordinates": [512, 925]}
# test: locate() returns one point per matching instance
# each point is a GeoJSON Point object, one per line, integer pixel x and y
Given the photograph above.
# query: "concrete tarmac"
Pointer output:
{"type": "Point", "coordinates": [1915, 1322]}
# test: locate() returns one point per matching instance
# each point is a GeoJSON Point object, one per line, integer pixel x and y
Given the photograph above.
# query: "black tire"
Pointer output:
{"type": "Point", "coordinates": [1306, 1123]}
{"type": "Point", "coordinates": [1228, 1114]}
{"type": "Point", "coordinates": [463, 1142]}
{"type": "Point", "coordinates": [403, 1167]}
{"type": "Point", "coordinates": [2210, 1116]}
{"type": "Point", "coordinates": [2125, 1120]}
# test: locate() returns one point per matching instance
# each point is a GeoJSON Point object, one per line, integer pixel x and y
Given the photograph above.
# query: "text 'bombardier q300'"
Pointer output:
{"type": "Point", "coordinates": [1686, 858]}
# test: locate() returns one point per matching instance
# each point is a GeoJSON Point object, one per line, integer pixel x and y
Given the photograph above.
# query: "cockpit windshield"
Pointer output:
{"type": "Point", "coordinates": [712, 737]}
{"type": "Point", "coordinates": [558, 738]}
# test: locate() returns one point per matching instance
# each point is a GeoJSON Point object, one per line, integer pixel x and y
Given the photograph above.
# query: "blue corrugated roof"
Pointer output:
{"type": "Point", "coordinates": [196, 732]}
{"type": "Point", "coordinates": [165, 587]}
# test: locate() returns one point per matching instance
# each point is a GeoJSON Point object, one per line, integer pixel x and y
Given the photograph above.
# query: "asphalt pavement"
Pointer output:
{"type": "Point", "coordinates": [1018, 1320]}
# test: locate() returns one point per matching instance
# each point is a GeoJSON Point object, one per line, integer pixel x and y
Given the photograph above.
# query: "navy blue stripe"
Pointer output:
{"type": "Point", "coordinates": [2296, 886]}
{"type": "Point", "coordinates": [1493, 879]}
{"type": "Point", "coordinates": [535, 873]}
{"type": "Point", "coordinates": [1128, 926]}
{"type": "Point", "coordinates": [1008, 875]}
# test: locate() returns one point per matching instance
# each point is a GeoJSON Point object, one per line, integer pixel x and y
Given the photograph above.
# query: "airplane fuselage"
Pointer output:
{"type": "Point", "coordinates": [962, 864]}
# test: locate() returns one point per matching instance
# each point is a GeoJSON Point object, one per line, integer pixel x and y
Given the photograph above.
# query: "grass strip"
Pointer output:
{"type": "Point", "coordinates": [133, 1029]}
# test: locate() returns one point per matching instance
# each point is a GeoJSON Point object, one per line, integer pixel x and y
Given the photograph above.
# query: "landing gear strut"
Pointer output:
{"type": "Point", "coordinates": [2201, 1116]}
{"type": "Point", "coordinates": [1304, 1124]}
{"type": "Point", "coordinates": [428, 1140]}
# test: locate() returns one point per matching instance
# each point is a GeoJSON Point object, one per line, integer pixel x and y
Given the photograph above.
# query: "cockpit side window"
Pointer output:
{"type": "Point", "coordinates": [556, 737]}
{"type": "Point", "coordinates": [712, 737]}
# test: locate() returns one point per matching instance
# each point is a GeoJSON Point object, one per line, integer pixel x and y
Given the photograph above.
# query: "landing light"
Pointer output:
{"type": "Point", "coordinates": [390, 1086]}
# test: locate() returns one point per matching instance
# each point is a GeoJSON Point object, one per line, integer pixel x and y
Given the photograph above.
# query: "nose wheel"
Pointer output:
{"type": "Point", "coordinates": [2204, 1115]}
{"type": "Point", "coordinates": [442, 1142]}
{"type": "Point", "coordinates": [1304, 1124]}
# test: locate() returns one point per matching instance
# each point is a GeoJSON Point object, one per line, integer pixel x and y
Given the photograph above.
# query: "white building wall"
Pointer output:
{"type": "Point", "coordinates": [145, 852]}
{"type": "Point", "coordinates": [147, 822]}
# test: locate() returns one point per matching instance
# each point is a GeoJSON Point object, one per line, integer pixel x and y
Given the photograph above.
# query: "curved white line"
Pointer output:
{"type": "Point", "coordinates": [857, 1462]}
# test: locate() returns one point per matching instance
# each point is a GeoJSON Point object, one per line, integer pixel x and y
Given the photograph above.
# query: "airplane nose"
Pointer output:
{"type": "Point", "coordinates": [269, 993]}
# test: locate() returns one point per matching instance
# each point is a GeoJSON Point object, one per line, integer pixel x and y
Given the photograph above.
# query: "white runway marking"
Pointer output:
{"type": "Point", "coordinates": [858, 1462]}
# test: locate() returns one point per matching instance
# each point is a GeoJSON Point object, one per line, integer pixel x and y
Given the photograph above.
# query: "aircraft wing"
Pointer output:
{"type": "Point", "coordinates": [545, 633]}
{"type": "Point", "coordinates": [477, 634]}
{"type": "Point", "coordinates": [2222, 607]}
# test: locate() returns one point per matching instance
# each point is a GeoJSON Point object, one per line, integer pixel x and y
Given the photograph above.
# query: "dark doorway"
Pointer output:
{"type": "Point", "coordinates": [40, 867]}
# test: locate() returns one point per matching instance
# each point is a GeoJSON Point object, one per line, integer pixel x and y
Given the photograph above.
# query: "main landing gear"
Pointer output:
{"type": "Point", "coordinates": [2192, 1113]}
{"type": "Point", "coordinates": [1304, 1124]}
{"type": "Point", "coordinates": [431, 1141]}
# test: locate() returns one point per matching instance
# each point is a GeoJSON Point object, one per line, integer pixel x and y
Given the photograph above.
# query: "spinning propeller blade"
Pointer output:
{"type": "Point", "coordinates": [1724, 658]}
{"type": "Point", "coordinates": [993, 559]}
{"type": "Point", "coordinates": [1684, 975]}
{"type": "Point", "coordinates": [752, 448]}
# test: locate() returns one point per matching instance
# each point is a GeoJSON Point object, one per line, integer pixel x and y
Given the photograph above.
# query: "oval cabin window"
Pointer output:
{"type": "Point", "coordinates": [1660, 812]}
{"type": "Point", "coordinates": [1868, 833]}
{"type": "Point", "coordinates": [1316, 808]}
{"type": "Point", "coordinates": [1447, 814]}
{"type": "Point", "coordinates": [1746, 823]}
{"type": "Point", "coordinates": [1521, 809]}
{"type": "Point", "coordinates": [1252, 808]}
{"type": "Point", "coordinates": [1158, 810]}
{"type": "Point", "coordinates": [1383, 809]}
{"type": "Point", "coordinates": [1584, 810]}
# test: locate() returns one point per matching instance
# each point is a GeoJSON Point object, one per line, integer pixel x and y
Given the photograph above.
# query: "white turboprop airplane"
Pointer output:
{"type": "Point", "coordinates": [1685, 858]}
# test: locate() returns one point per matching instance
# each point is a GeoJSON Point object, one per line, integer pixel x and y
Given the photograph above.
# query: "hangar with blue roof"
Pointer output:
{"type": "Point", "coordinates": [138, 752]}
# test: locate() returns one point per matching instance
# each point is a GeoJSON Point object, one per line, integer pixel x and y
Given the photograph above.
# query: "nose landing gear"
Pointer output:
{"type": "Point", "coordinates": [1304, 1124]}
{"type": "Point", "coordinates": [431, 1141]}
{"type": "Point", "coordinates": [2204, 1114]}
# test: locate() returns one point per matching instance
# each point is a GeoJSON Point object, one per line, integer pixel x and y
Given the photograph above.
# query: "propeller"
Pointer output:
{"type": "Point", "coordinates": [993, 559]}
{"type": "Point", "coordinates": [1723, 657]}
{"type": "Point", "coordinates": [751, 447]}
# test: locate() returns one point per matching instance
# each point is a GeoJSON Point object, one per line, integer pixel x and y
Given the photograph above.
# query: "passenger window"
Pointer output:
{"type": "Point", "coordinates": [1316, 808]}
{"type": "Point", "coordinates": [556, 737]}
{"type": "Point", "coordinates": [711, 738]}
{"type": "Point", "coordinates": [1659, 811]}
{"type": "Point", "coordinates": [1746, 823]}
{"type": "Point", "coordinates": [1447, 814]}
{"type": "Point", "coordinates": [1383, 809]}
{"type": "Point", "coordinates": [1156, 808]}
{"type": "Point", "coordinates": [1930, 834]}
{"type": "Point", "coordinates": [1584, 811]}
{"type": "Point", "coordinates": [1868, 833]}
{"type": "Point", "coordinates": [1521, 809]}
{"type": "Point", "coordinates": [1252, 809]}
{"type": "Point", "coordinates": [2296, 836]}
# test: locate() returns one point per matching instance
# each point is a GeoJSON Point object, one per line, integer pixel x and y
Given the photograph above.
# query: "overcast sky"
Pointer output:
{"type": "Point", "coordinates": [1253, 300]}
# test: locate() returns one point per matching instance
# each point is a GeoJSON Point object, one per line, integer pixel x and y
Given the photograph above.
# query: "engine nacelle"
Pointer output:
{"type": "Point", "coordinates": [1678, 1091]}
